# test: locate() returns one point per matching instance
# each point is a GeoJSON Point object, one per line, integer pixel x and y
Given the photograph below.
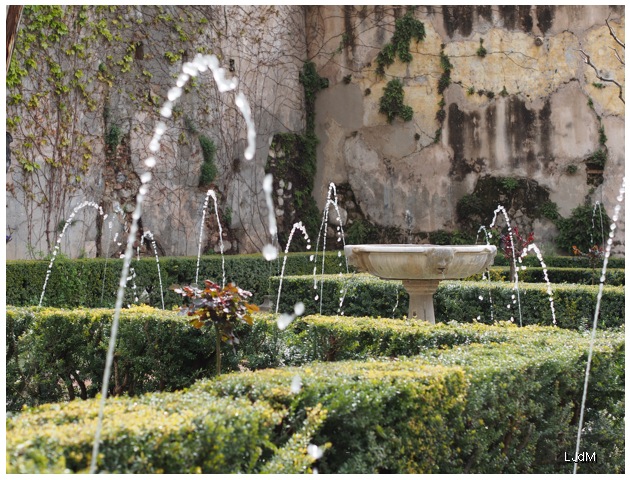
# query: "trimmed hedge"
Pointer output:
{"type": "Point", "coordinates": [516, 413]}
{"type": "Point", "coordinates": [93, 283]}
{"type": "Point", "coordinates": [79, 283]}
{"type": "Point", "coordinates": [614, 277]}
{"type": "Point", "coordinates": [459, 301]}
{"type": "Point", "coordinates": [55, 355]}
{"type": "Point", "coordinates": [498, 407]}
{"type": "Point", "coordinates": [189, 432]}
{"type": "Point", "coordinates": [561, 261]}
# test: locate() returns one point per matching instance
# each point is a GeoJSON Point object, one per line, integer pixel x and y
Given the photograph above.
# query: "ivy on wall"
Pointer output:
{"type": "Point", "coordinates": [407, 28]}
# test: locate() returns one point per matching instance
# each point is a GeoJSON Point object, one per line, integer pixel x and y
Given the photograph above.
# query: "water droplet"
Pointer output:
{"type": "Point", "coordinates": [339, 254]}
{"type": "Point", "coordinates": [508, 305]}
{"type": "Point", "coordinates": [308, 247]}
{"type": "Point", "coordinates": [268, 183]}
{"type": "Point", "coordinates": [150, 162]}
{"type": "Point", "coordinates": [315, 451]}
{"type": "Point", "coordinates": [316, 297]}
{"type": "Point", "coordinates": [296, 384]}
{"type": "Point", "coordinates": [480, 297]}
{"type": "Point", "coordinates": [166, 110]}
{"type": "Point", "coordinates": [145, 177]}
{"type": "Point", "coordinates": [174, 93]}
{"type": "Point", "coordinates": [284, 320]}
{"type": "Point", "coordinates": [269, 252]}
{"type": "Point", "coordinates": [299, 308]}
{"type": "Point", "coordinates": [312, 258]}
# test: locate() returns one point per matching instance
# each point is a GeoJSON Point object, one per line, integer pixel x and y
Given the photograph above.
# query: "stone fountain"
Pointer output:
{"type": "Point", "coordinates": [421, 268]}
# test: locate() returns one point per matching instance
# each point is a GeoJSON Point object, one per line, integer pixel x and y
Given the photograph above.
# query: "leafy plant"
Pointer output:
{"type": "Point", "coordinates": [406, 29]}
{"type": "Point", "coordinates": [572, 169]}
{"type": "Point", "coordinates": [208, 167]}
{"type": "Point", "coordinates": [361, 231]}
{"type": "Point", "coordinates": [445, 78]}
{"type": "Point", "coordinates": [549, 210]}
{"type": "Point", "coordinates": [481, 51]}
{"type": "Point", "coordinates": [577, 230]}
{"type": "Point", "coordinates": [221, 307]}
{"type": "Point", "coordinates": [598, 159]}
{"type": "Point", "coordinates": [510, 184]}
{"type": "Point", "coordinates": [392, 102]}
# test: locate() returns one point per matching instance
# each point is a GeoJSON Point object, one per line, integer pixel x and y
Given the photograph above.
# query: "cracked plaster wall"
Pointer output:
{"type": "Point", "coordinates": [541, 126]}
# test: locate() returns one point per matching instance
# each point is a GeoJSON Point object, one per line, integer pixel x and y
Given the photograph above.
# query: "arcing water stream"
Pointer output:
{"type": "Point", "coordinates": [200, 64]}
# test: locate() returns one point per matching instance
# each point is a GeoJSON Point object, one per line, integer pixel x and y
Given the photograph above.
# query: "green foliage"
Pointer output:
{"type": "Point", "coordinates": [549, 210]}
{"type": "Point", "coordinates": [504, 93]}
{"type": "Point", "coordinates": [558, 275]}
{"type": "Point", "coordinates": [469, 205]}
{"type": "Point", "coordinates": [391, 416]}
{"type": "Point", "coordinates": [57, 355]}
{"type": "Point", "coordinates": [360, 232]}
{"type": "Point", "coordinates": [347, 79]}
{"type": "Point", "coordinates": [93, 282]}
{"type": "Point", "coordinates": [407, 28]}
{"type": "Point", "coordinates": [481, 51]}
{"type": "Point", "coordinates": [220, 307]}
{"type": "Point", "coordinates": [112, 139]}
{"type": "Point", "coordinates": [442, 237]}
{"type": "Point", "coordinates": [458, 301]}
{"type": "Point", "coordinates": [602, 135]}
{"type": "Point", "coordinates": [187, 432]}
{"type": "Point", "coordinates": [598, 85]}
{"type": "Point", "coordinates": [509, 184]}
{"type": "Point", "coordinates": [583, 228]}
{"type": "Point", "coordinates": [312, 83]}
{"type": "Point", "coordinates": [598, 159]}
{"type": "Point", "coordinates": [471, 90]}
{"type": "Point", "coordinates": [392, 102]}
{"type": "Point", "coordinates": [445, 79]}
{"type": "Point", "coordinates": [208, 167]}
{"type": "Point", "coordinates": [444, 410]}
{"type": "Point", "coordinates": [572, 169]}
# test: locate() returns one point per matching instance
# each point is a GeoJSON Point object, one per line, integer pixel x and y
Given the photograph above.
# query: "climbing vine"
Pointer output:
{"type": "Point", "coordinates": [407, 28]}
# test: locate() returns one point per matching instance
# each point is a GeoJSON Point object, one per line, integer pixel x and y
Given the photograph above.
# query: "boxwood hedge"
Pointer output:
{"type": "Point", "coordinates": [484, 301]}
{"type": "Point", "coordinates": [93, 283]}
{"type": "Point", "coordinates": [504, 406]}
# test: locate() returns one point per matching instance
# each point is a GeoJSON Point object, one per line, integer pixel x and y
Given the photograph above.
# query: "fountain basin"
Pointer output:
{"type": "Point", "coordinates": [421, 268]}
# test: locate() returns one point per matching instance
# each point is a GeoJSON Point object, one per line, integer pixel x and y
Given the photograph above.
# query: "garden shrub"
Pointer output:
{"type": "Point", "coordinates": [482, 301]}
{"type": "Point", "coordinates": [507, 405]}
{"type": "Point", "coordinates": [187, 432]}
{"type": "Point", "coordinates": [59, 354]}
{"type": "Point", "coordinates": [79, 283]}
{"type": "Point", "coordinates": [584, 276]}
{"type": "Point", "coordinates": [517, 413]}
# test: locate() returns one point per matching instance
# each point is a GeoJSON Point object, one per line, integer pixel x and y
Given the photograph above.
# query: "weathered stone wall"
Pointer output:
{"type": "Point", "coordinates": [520, 111]}
{"type": "Point", "coordinates": [128, 75]}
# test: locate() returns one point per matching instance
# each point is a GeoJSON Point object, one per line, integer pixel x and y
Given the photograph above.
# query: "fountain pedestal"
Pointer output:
{"type": "Point", "coordinates": [421, 298]}
{"type": "Point", "coordinates": [421, 268]}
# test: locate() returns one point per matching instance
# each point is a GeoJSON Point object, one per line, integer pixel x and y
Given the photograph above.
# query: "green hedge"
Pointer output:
{"type": "Point", "coordinates": [504, 406]}
{"type": "Point", "coordinates": [561, 261]}
{"type": "Point", "coordinates": [614, 276]}
{"type": "Point", "coordinates": [55, 355]}
{"type": "Point", "coordinates": [366, 295]}
{"type": "Point", "coordinates": [189, 432]}
{"type": "Point", "coordinates": [515, 414]}
{"type": "Point", "coordinates": [79, 283]}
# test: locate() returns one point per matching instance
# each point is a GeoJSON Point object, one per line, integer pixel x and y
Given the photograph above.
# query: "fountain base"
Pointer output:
{"type": "Point", "coordinates": [421, 298]}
